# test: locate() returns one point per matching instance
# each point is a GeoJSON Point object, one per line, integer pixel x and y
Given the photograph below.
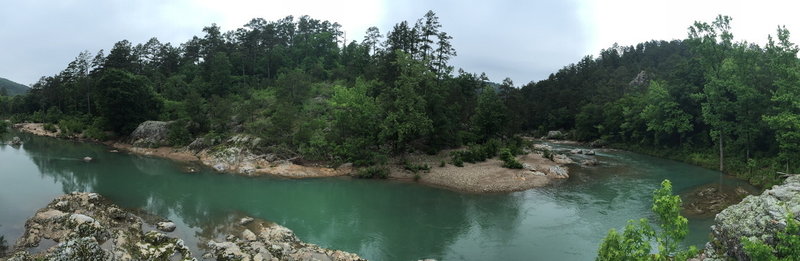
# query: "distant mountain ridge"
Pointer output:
{"type": "Point", "coordinates": [13, 88]}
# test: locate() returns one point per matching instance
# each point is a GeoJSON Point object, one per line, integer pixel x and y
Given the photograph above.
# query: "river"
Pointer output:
{"type": "Point", "coordinates": [378, 219]}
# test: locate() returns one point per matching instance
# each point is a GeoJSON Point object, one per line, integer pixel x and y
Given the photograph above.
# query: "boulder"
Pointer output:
{"type": "Point", "coordinates": [262, 240]}
{"type": "Point", "coordinates": [558, 172]}
{"type": "Point", "coordinates": [598, 143]}
{"type": "Point", "coordinates": [15, 141]}
{"type": "Point", "coordinates": [756, 217]}
{"type": "Point", "coordinates": [150, 134]}
{"type": "Point", "coordinates": [245, 221]}
{"type": "Point", "coordinates": [249, 235]}
{"type": "Point", "coordinates": [87, 159]}
{"type": "Point", "coordinates": [555, 135]}
{"type": "Point", "coordinates": [588, 152]}
{"type": "Point", "coordinates": [590, 162]}
{"type": "Point", "coordinates": [542, 147]}
{"type": "Point", "coordinates": [166, 226]}
{"type": "Point", "coordinates": [576, 151]}
{"type": "Point", "coordinates": [641, 79]}
{"type": "Point", "coordinates": [198, 144]}
{"type": "Point", "coordinates": [562, 159]}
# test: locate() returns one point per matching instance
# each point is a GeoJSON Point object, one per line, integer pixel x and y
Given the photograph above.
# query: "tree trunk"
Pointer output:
{"type": "Point", "coordinates": [721, 156]}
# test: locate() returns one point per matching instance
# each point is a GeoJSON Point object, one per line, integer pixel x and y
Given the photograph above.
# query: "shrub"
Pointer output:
{"type": "Point", "coordinates": [547, 155]}
{"type": "Point", "coordinates": [416, 167]}
{"type": "Point", "coordinates": [95, 131]}
{"type": "Point", "coordinates": [3, 126]}
{"type": "Point", "coordinates": [50, 127]}
{"type": "Point", "coordinates": [70, 126]}
{"type": "Point", "coordinates": [635, 241]}
{"type": "Point", "coordinates": [178, 134]}
{"type": "Point", "coordinates": [442, 164]}
{"type": "Point", "coordinates": [373, 172]}
{"type": "Point", "coordinates": [508, 159]}
{"type": "Point", "coordinates": [457, 160]}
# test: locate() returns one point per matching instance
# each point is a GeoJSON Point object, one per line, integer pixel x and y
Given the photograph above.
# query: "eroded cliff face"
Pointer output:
{"type": "Point", "coordinates": [758, 217]}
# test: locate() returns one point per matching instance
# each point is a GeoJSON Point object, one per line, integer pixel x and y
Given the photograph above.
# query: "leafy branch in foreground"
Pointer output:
{"type": "Point", "coordinates": [634, 242]}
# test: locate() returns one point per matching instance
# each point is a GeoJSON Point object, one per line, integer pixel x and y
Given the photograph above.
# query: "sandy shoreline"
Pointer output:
{"type": "Point", "coordinates": [481, 177]}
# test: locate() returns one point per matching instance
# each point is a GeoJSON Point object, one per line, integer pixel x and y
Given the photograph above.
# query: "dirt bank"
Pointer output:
{"type": "Point", "coordinates": [482, 177]}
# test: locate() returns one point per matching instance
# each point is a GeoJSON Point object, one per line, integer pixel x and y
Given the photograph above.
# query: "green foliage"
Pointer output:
{"type": "Point", "coordinates": [508, 159]}
{"type": "Point", "coordinates": [95, 130]}
{"type": "Point", "coordinates": [490, 115]}
{"type": "Point", "coordinates": [634, 243]}
{"type": "Point", "coordinates": [71, 126]}
{"type": "Point", "coordinates": [178, 134]}
{"type": "Point", "coordinates": [50, 127]}
{"type": "Point", "coordinates": [4, 126]}
{"type": "Point", "coordinates": [415, 168]}
{"type": "Point", "coordinates": [403, 106]}
{"type": "Point", "coordinates": [663, 114]}
{"type": "Point", "coordinates": [547, 154]}
{"type": "Point", "coordinates": [372, 172]}
{"type": "Point", "coordinates": [125, 101]}
{"type": "Point", "coordinates": [457, 160]}
{"type": "Point", "coordinates": [786, 245]}
{"type": "Point", "coordinates": [674, 227]}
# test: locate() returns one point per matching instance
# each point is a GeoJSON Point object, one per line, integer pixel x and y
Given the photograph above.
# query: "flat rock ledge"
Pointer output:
{"type": "Point", "coordinates": [758, 217]}
{"type": "Point", "coordinates": [87, 226]}
{"type": "Point", "coordinates": [256, 239]}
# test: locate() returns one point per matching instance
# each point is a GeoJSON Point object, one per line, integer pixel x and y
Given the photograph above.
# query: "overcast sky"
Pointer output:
{"type": "Point", "coordinates": [524, 40]}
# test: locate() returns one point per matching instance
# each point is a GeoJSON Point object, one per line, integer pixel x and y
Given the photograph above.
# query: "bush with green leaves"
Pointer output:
{"type": "Point", "coordinates": [457, 160]}
{"type": "Point", "coordinates": [634, 243]}
{"type": "Point", "coordinates": [3, 126]}
{"type": "Point", "coordinates": [95, 130]}
{"type": "Point", "coordinates": [415, 168]}
{"type": "Point", "coordinates": [70, 126]}
{"type": "Point", "coordinates": [50, 127]}
{"type": "Point", "coordinates": [178, 134]}
{"type": "Point", "coordinates": [508, 159]}
{"type": "Point", "coordinates": [373, 172]}
{"type": "Point", "coordinates": [786, 244]}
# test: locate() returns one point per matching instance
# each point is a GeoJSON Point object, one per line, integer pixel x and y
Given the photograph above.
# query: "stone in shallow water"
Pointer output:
{"type": "Point", "coordinates": [245, 221]}
{"type": "Point", "coordinates": [166, 226]}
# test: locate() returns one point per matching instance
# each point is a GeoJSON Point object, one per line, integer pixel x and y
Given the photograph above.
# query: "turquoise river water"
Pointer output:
{"type": "Point", "coordinates": [378, 219]}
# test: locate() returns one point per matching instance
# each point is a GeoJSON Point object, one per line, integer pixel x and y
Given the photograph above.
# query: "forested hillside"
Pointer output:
{"type": "Point", "coordinates": [10, 88]}
{"type": "Point", "coordinates": [295, 84]}
{"type": "Point", "coordinates": [292, 82]}
{"type": "Point", "coordinates": [695, 99]}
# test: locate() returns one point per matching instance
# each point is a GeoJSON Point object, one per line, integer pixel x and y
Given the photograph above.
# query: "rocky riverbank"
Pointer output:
{"type": "Point", "coordinates": [238, 155]}
{"type": "Point", "coordinates": [756, 217]}
{"type": "Point", "coordinates": [86, 226]}
{"type": "Point", "coordinates": [234, 155]}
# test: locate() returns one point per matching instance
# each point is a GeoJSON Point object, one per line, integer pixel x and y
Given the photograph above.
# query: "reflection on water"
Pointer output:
{"type": "Point", "coordinates": [379, 220]}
